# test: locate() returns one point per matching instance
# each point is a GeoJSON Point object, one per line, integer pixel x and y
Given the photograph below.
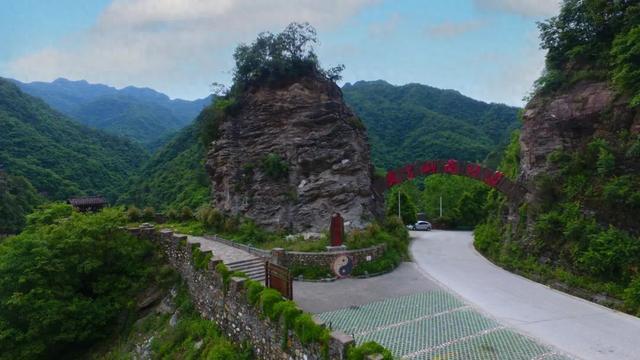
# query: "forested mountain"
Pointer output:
{"type": "Point", "coordinates": [142, 114]}
{"type": "Point", "coordinates": [58, 156]}
{"type": "Point", "coordinates": [174, 176]}
{"type": "Point", "coordinates": [412, 122]}
{"type": "Point", "coordinates": [404, 123]}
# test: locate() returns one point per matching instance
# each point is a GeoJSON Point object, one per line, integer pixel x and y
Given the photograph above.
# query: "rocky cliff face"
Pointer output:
{"type": "Point", "coordinates": [568, 122]}
{"type": "Point", "coordinates": [292, 155]}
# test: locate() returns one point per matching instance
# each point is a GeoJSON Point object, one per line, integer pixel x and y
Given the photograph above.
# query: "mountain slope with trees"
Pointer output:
{"type": "Point", "coordinates": [174, 177]}
{"type": "Point", "coordinates": [59, 157]}
{"type": "Point", "coordinates": [141, 114]}
{"type": "Point", "coordinates": [413, 122]}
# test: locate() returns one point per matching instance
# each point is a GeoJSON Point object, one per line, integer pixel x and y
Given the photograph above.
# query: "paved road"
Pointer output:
{"type": "Point", "coordinates": [317, 297]}
{"type": "Point", "coordinates": [579, 327]}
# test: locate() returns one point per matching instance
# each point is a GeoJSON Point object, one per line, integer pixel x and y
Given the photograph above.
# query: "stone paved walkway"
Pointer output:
{"type": "Point", "coordinates": [227, 253]}
{"type": "Point", "coordinates": [435, 325]}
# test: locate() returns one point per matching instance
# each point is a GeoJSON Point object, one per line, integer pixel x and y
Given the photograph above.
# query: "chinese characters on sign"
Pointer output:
{"type": "Point", "coordinates": [454, 167]}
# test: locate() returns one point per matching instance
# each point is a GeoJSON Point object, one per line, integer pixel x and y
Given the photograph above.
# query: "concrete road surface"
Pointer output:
{"type": "Point", "coordinates": [578, 327]}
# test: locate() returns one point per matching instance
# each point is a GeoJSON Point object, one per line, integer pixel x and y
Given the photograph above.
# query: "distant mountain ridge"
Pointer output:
{"type": "Point", "coordinates": [141, 114]}
{"type": "Point", "coordinates": [412, 122]}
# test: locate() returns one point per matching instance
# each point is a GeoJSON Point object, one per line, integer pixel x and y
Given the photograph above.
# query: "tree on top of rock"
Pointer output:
{"type": "Point", "coordinates": [272, 58]}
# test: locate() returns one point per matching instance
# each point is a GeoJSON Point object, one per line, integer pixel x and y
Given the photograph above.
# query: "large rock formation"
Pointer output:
{"type": "Point", "coordinates": [568, 122]}
{"type": "Point", "coordinates": [565, 123]}
{"type": "Point", "coordinates": [292, 155]}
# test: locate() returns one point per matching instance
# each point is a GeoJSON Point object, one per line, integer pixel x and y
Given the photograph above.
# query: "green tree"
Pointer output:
{"type": "Point", "coordinates": [63, 285]}
{"type": "Point", "coordinates": [277, 57]}
{"type": "Point", "coordinates": [408, 210]}
{"type": "Point", "coordinates": [17, 199]}
{"type": "Point", "coordinates": [626, 63]}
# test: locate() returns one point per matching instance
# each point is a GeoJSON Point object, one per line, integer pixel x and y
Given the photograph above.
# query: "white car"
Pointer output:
{"type": "Point", "coordinates": [421, 225]}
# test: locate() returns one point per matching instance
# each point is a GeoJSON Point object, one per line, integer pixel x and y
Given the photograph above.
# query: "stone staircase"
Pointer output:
{"type": "Point", "coordinates": [253, 268]}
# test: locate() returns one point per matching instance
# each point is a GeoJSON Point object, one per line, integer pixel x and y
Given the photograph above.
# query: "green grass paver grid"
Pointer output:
{"type": "Point", "coordinates": [502, 344]}
{"type": "Point", "coordinates": [390, 311]}
{"type": "Point", "coordinates": [426, 333]}
{"type": "Point", "coordinates": [402, 334]}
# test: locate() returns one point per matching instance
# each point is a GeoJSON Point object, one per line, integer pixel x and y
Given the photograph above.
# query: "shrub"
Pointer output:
{"type": "Point", "coordinates": [610, 254]}
{"type": "Point", "coordinates": [311, 272]}
{"type": "Point", "coordinates": [186, 213]}
{"type": "Point", "coordinates": [632, 296]}
{"type": "Point", "coordinates": [148, 214]}
{"type": "Point", "coordinates": [134, 214]}
{"type": "Point", "coordinates": [308, 331]}
{"type": "Point", "coordinates": [387, 262]}
{"type": "Point", "coordinates": [231, 224]}
{"type": "Point", "coordinates": [369, 348]}
{"type": "Point", "coordinates": [606, 161]}
{"type": "Point", "coordinates": [200, 259]}
{"type": "Point", "coordinates": [171, 214]}
{"type": "Point", "coordinates": [274, 166]}
{"type": "Point", "coordinates": [623, 190]}
{"type": "Point", "coordinates": [268, 298]}
{"type": "Point", "coordinates": [487, 237]}
{"type": "Point", "coordinates": [254, 288]}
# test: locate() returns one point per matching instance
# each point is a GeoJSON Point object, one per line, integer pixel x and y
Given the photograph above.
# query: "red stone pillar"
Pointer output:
{"type": "Point", "coordinates": [337, 230]}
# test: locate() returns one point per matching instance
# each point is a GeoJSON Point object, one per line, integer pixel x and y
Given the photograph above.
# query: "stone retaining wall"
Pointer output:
{"type": "Point", "coordinates": [326, 259]}
{"type": "Point", "coordinates": [231, 311]}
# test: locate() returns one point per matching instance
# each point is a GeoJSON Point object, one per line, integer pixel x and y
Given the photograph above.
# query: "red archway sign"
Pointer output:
{"type": "Point", "coordinates": [495, 179]}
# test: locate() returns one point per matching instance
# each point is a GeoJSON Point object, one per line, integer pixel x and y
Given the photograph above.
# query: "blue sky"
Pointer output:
{"type": "Point", "coordinates": [486, 49]}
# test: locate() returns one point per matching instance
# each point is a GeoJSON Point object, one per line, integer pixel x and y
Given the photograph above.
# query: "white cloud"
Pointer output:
{"type": "Point", "coordinates": [385, 27]}
{"type": "Point", "coordinates": [529, 8]}
{"type": "Point", "coordinates": [450, 29]}
{"type": "Point", "coordinates": [175, 46]}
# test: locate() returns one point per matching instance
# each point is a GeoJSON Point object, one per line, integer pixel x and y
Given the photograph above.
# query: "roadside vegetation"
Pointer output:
{"type": "Point", "coordinates": [592, 40]}
{"type": "Point", "coordinates": [582, 233]}
{"type": "Point", "coordinates": [585, 235]}
{"type": "Point", "coordinates": [463, 201]}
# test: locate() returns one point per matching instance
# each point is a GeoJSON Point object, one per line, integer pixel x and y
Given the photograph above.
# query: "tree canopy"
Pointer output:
{"type": "Point", "coordinates": [273, 58]}
{"type": "Point", "coordinates": [65, 279]}
{"type": "Point", "coordinates": [592, 39]}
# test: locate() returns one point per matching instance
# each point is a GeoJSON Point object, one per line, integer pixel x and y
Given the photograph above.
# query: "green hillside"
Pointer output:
{"type": "Point", "coordinates": [58, 156]}
{"type": "Point", "coordinates": [174, 177]}
{"type": "Point", "coordinates": [141, 114]}
{"type": "Point", "coordinates": [412, 122]}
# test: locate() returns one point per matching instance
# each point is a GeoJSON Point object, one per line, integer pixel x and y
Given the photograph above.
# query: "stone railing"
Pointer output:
{"type": "Point", "coordinates": [251, 250]}
{"type": "Point", "coordinates": [231, 310]}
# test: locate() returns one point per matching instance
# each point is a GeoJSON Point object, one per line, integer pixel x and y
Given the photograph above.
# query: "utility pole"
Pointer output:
{"type": "Point", "coordinates": [440, 205]}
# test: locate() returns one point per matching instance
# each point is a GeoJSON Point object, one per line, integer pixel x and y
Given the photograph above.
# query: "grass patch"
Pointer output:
{"type": "Point", "coordinates": [311, 272]}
